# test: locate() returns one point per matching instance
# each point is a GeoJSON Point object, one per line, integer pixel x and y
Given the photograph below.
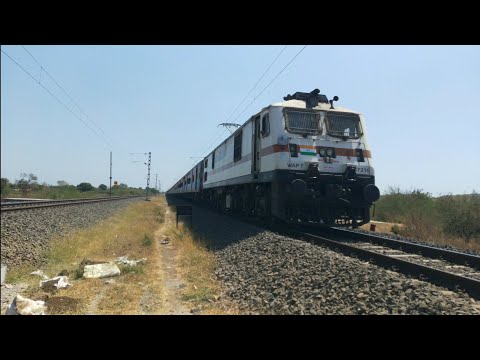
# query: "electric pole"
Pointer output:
{"type": "Point", "coordinates": [148, 176]}
{"type": "Point", "coordinates": [110, 173]}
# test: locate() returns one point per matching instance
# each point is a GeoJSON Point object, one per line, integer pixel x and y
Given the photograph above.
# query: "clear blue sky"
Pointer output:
{"type": "Point", "coordinates": [421, 105]}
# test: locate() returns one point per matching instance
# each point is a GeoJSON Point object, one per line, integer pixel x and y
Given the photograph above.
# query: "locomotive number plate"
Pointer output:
{"type": "Point", "coordinates": [363, 170]}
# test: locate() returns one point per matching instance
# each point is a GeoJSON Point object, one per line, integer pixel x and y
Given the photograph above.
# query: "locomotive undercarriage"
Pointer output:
{"type": "Point", "coordinates": [300, 198]}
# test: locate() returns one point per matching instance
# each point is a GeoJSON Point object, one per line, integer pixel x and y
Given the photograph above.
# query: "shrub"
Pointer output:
{"type": "Point", "coordinates": [460, 215]}
{"type": "Point", "coordinates": [6, 186]}
{"type": "Point", "coordinates": [395, 229]}
{"type": "Point", "coordinates": [147, 240]}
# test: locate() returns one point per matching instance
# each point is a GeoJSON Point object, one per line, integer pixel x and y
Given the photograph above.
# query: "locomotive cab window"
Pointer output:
{"type": "Point", "coordinates": [237, 147]}
{"type": "Point", "coordinates": [265, 126]}
{"type": "Point", "coordinates": [344, 125]}
{"type": "Point", "coordinates": [303, 122]}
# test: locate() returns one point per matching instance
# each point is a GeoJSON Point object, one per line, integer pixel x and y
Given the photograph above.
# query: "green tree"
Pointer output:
{"type": "Point", "coordinates": [461, 215]}
{"type": "Point", "coordinates": [62, 183]}
{"type": "Point", "coordinates": [26, 183]}
{"type": "Point", "coordinates": [123, 186]}
{"type": "Point", "coordinates": [6, 186]}
{"type": "Point", "coordinates": [84, 186]}
{"type": "Point", "coordinates": [102, 187]}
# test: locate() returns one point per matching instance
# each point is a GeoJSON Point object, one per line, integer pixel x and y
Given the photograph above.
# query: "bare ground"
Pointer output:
{"type": "Point", "coordinates": [172, 283]}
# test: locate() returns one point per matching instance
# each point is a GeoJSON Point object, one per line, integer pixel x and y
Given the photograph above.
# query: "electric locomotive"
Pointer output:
{"type": "Point", "coordinates": [301, 161]}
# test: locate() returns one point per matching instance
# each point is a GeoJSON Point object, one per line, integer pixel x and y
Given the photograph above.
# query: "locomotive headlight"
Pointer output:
{"type": "Point", "coordinates": [330, 152]}
{"type": "Point", "coordinates": [323, 152]}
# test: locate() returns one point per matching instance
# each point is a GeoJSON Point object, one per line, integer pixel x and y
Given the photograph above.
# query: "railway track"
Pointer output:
{"type": "Point", "coordinates": [443, 267]}
{"type": "Point", "coordinates": [451, 269]}
{"type": "Point", "coordinates": [26, 205]}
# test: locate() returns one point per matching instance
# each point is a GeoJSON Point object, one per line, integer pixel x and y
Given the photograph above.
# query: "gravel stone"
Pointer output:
{"type": "Point", "coordinates": [267, 273]}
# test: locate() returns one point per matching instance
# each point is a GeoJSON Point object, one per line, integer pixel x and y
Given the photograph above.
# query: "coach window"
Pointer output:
{"type": "Point", "coordinates": [213, 159]}
{"type": "Point", "coordinates": [206, 163]}
{"type": "Point", "coordinates": [205, 177]}
{"type": "Point", "coordinates": [237, 147]}
{"type": "Point", "coordinates": [265, 126]}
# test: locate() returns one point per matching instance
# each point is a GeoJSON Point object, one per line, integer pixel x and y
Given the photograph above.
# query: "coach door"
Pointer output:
{"type": "Point", "coordinates": [256, 138]}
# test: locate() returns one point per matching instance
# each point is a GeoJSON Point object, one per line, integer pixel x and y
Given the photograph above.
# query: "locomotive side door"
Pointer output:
{"type": "Point", "coordinates": [201, 175]}
{"type": "Point", "coordinates": [256, 146]}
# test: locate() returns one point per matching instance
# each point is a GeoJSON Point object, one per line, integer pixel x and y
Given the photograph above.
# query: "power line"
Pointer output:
{"type": "Point", "coordinates": [209, 146]}
{"type": "Point", "coordinates": [255, 98]}
{"type": "Point", "coordinates": [254, 86]}
{"type": "Point", "coordinates": [66, 107]}
{"type": "Point", "coordinates": [214, 141]}
{"type": "Point", "coordinates": [61, 88]}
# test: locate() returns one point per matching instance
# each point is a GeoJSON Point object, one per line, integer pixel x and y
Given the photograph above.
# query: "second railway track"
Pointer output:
{"type": "Point", "coordinates": [452, 269]}
{"type": "Point", "coordinates": [26, 205]}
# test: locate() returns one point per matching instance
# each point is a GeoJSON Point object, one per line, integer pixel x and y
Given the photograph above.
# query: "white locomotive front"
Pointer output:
{"type": "Point", "coordinates": [302, 160]}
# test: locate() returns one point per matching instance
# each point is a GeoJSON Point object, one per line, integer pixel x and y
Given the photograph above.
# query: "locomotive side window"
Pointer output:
{"type": "Point", "coordinates": [205, 176]}
{"type": "Point", "coordinates": [213, 159]}
{"type": "Point", "coordinates": [237, 147]}
{"type": "Point", "coordinates": [206, 163]}
{"type": "Point", "coordinates": [265, 126]}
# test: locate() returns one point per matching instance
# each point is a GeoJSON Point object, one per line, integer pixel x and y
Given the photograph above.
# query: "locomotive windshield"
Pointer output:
{"type": "Point", "coordinates": [338, 124]}
{"type": "Point", "coordinates": [303, 122]}
{"type": "Point", "coordinates": [343, 125]}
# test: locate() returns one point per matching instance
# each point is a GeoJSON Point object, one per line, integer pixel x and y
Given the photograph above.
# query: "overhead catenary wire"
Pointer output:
{"type": "Point", "coordinates": [106, 138]}
{"type": "Point", "coordinates": [270, 83]}
{"type": "Point", "coordinates": [210, 142]}
{"type": "Point", "coordinates": [276, 76]}
{"type": "Point", "coordinates": [254, 86]}
{"type": "Point", "coordinates": [214, 141]}
{"type": "Point", "coordinates": [206, 151]}
{"type": "Point", "coordinates": [42, 68]}
{"type": "Point", "coordinates": [261, 92]}
{"type": "Point", "coordinates": [56, 98]}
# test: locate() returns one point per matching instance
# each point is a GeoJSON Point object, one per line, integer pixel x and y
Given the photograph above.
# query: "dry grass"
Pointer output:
{"type": "Point", "coordinates": [382, 227]}
{"type": "Point", "coordinates": [196, 266]}
{"type": "Point", "coordinates": [130, 232]}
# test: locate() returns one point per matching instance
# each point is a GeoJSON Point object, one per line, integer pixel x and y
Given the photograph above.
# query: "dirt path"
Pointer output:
{"type": "Point", "coordinates": [172, 283]}
{"type": "Point", "coordinates": [164, 274]}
